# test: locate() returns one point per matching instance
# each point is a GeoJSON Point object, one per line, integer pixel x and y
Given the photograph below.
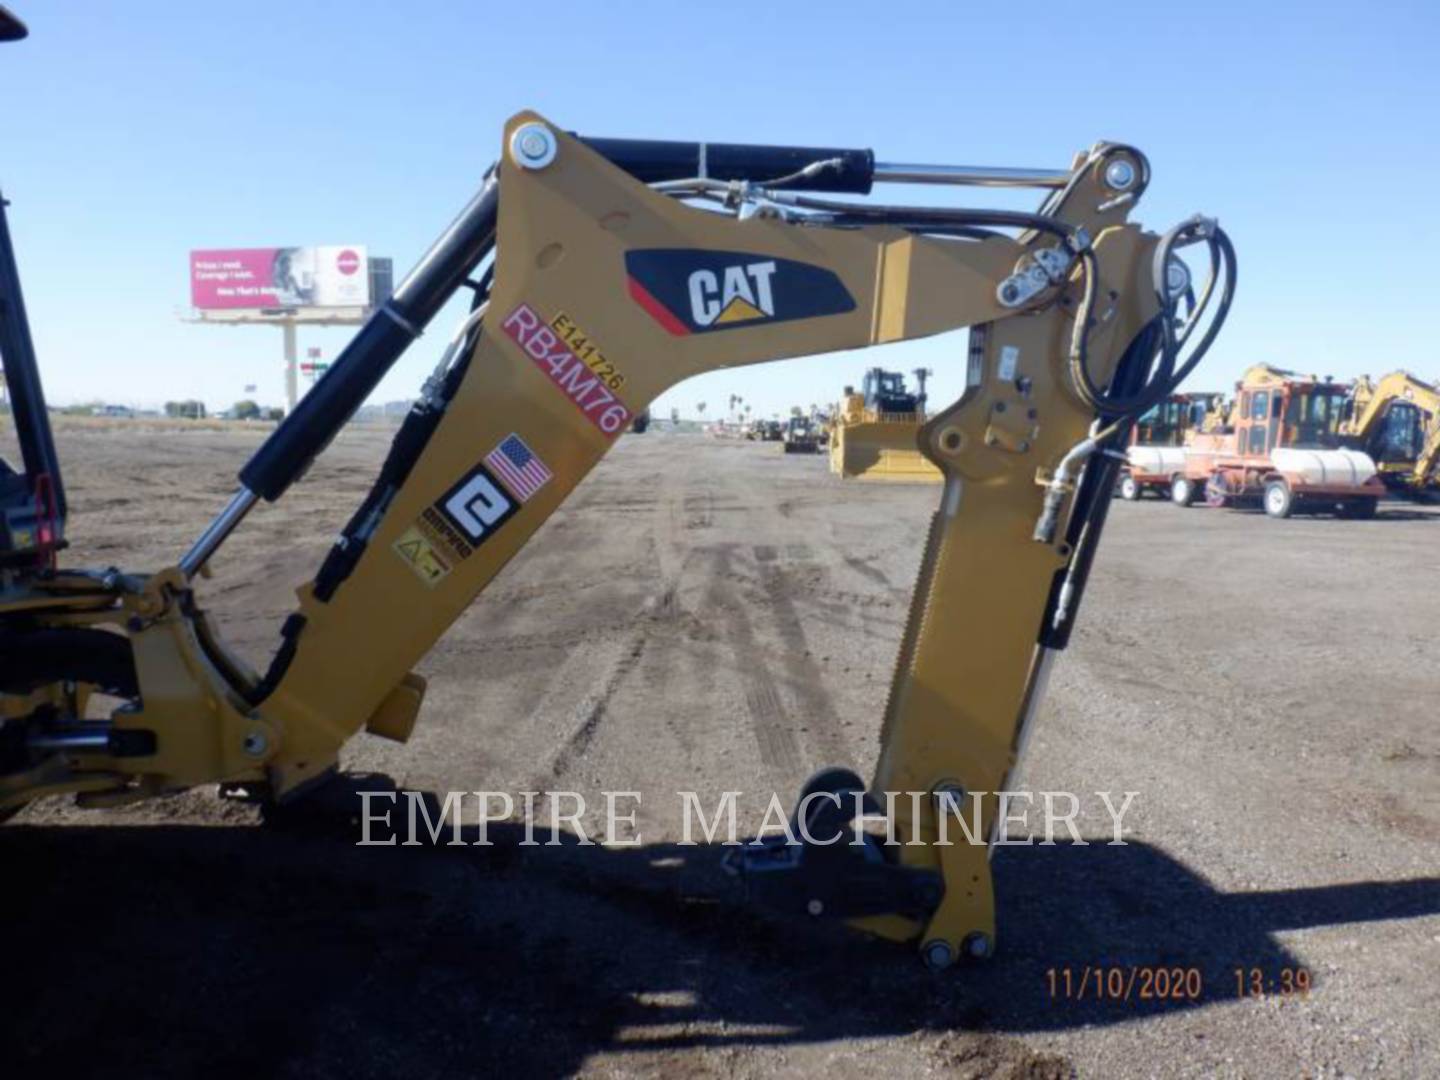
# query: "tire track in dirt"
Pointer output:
{"type": "Point", "coordinates": [803, 676]}
{"type": "Point", "coordinates": [868, 572]}
{"type": "Point", "coordinates": [779, 750]}
{"type": "Point", "coordinates": [674, 623]}
{"type": "Point", "coordinates": [763, 593]}
{"type": "Point", "coordinates": [606, 666]}
{"type": "Point", "coordinates": [603, 668]}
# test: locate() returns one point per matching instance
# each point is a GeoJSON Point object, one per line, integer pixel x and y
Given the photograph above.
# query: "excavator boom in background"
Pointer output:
{"type": "Point", "coordinates": [602, 272]}
{"type": "Point", "coordinates": [1397, 422]}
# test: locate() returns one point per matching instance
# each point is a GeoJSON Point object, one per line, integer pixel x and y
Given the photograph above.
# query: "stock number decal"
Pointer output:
{"type": "Point", "coordinates": [591, 392]}
{"type": "Point", "coordinates": [585, 349]}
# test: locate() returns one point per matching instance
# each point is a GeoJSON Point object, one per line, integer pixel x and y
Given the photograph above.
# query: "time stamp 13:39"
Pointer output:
{"type": "Point", "coordinates": [1138, 983]}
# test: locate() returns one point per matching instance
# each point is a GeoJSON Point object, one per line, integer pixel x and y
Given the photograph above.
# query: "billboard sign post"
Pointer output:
{"type": "Point", "coordinates": [321, 285]}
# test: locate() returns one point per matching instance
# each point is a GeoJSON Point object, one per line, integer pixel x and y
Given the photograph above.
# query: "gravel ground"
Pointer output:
{"type": "Point", "coordinates": [718, 616]}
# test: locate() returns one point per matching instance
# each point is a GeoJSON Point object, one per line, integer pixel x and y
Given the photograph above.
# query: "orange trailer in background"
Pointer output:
{"type": "Point", "coordinates": [1285, 452]}
{"type": "Point", "coordinates": [1156, 454]}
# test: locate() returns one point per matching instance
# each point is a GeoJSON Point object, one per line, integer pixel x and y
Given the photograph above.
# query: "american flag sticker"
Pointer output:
{"type": "Point", "coordinates": [518, 467]}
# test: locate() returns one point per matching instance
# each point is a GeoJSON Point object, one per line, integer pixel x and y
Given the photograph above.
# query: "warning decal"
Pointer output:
{"type": "Point", "coordinates": [429, 566]}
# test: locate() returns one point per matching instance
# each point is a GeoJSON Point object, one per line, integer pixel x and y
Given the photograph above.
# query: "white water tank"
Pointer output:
{"type": "Point", "coordinates": [1156, 460]}
{"type": "Point", "coordinates": [1334, 468]}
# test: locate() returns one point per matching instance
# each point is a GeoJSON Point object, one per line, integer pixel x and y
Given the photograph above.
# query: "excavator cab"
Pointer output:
{"type": "Point", "coordinates": [1400, 438]}
{"type": "Point", "coordinates": [1200, 408]}
{"type": "Point", "coordinates": [1397, 422]}
{"type": "Point", "coordinates": [1171, 421]}
{"type": "Point", "coordinates": [1164, 425]}
{"type": "Point", "coordinates": [1312, 413]}
{"type": "Point", "coordinates": [885, 392]}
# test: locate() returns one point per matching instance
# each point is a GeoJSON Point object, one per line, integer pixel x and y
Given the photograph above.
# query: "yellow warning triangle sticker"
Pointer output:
{"type": "Point", "coordinates": [739, 310]}
{"type": "Point", "coordinates": [410, 549]}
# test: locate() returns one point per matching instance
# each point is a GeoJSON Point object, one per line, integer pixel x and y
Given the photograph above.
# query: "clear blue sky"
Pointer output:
{"type": "Point", "coordinates": [134, 132]}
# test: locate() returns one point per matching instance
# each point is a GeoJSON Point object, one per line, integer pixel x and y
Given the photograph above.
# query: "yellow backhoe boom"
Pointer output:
{"type": "Point", "coordinates": [603, 273]}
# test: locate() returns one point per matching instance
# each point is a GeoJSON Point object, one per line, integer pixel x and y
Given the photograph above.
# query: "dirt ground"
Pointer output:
{"type": "Point", "coordinates": [714, 616]}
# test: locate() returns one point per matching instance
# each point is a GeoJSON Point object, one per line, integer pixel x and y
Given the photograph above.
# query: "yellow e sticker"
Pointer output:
{"type": "Point", "coordinates": [429, 566]}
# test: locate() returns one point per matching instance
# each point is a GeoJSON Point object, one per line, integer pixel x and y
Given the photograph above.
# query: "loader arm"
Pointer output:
{"type": "Point", "coordinates": [594, 293]}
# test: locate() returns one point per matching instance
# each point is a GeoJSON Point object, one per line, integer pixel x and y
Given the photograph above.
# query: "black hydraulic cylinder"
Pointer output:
{"type": "Point", "coordinates": [373, 351]}
{"type": "Point", "coordinates": [22, 375]}
{"type": "Point", "coordinates": [652, 161]}
{"type": "Point", "coordinates": [286, 454]}
{"type": "Point", "coordinates": [11, 28]}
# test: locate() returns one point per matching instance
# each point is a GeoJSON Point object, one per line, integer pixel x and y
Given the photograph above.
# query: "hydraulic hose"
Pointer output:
{"type": "Point", "coordinates": [287, 453]}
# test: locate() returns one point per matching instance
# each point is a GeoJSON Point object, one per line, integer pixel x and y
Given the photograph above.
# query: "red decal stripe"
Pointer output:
{"type": "Point", "coordinates": [658, 311]}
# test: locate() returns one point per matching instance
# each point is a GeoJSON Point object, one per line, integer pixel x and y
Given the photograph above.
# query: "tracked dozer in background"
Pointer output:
{"type": "Point", "coordinates": [875, 433]}
{"type": "Point", "coordinates": [801, 435]}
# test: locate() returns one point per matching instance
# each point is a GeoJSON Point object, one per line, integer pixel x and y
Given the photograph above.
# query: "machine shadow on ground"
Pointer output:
{"type": "Point", "coordinates": [289, 950]}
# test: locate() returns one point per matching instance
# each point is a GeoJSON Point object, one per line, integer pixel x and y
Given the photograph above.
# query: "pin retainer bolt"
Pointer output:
{"type": "Point", "coordinates": [976, 945]}
{"type": "Point", "coordinates": [533, 146]}
{"type": "Point", "coordinates": [938, 955]}
{"type": "Point", "coordinates": [1177, 278]}
{"type": "Point", "coordinates": [1120, 174]}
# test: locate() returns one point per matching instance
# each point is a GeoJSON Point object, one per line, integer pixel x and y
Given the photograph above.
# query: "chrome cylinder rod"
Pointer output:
{"type": "Point", "coordinates": [973, 175]}
{"type": "Point", "coordinates": [215, 534]}
{"type": "Point", "coordinates": [95, 741]}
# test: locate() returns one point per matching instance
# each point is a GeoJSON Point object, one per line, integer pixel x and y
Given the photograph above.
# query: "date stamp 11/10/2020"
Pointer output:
{"type": "Point", "coordinates": [1137, 983]}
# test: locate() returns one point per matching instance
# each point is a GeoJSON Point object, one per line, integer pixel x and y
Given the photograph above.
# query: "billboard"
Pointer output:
{"type": "Point", "coordinates": [335, 275]}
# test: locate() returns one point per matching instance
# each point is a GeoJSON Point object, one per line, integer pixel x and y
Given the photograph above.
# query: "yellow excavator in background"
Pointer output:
{"type": "Point", "coordinates": [1397, 422]}
{"type": "Point", "coordinates": [875, 434]}
{"type": "Point", "coordinates": [602, 272]}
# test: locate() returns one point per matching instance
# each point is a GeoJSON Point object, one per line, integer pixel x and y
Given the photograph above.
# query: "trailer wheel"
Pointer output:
{"type": "Point", "coordinates": [1183, 491]}
{"type": "Point", "coordinates": [1129, 488]}
{"type": "Point", "coordinates": [1279, 500]}
{"type": "Point", "coordinates": [1358, 509]}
